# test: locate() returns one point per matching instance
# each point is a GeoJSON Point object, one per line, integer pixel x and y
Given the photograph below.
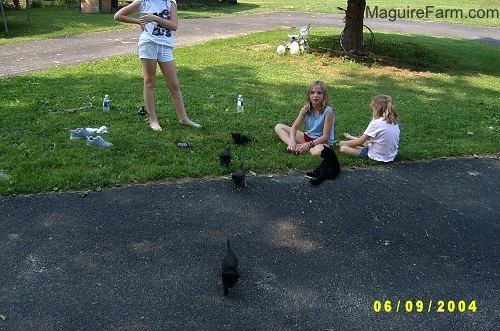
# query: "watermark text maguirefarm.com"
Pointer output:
{"type": "Point", "coordinates": [429, 12]}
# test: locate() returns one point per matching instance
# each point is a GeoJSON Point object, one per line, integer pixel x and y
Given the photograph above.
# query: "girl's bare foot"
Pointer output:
{"type": "Point", "coordinates": [155, 125]}
{"type": "Point", "coordinates": [188, 122]}
{"type": "Point", "coordinates": [349, 136]}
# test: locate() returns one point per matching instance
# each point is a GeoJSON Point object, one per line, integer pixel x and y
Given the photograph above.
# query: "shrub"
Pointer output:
{"type": "Point", "coordinates": [37, 3]}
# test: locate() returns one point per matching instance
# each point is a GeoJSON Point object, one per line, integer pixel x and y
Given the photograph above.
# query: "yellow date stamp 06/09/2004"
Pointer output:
{"type": "Point", "coordinates": [425, 306]}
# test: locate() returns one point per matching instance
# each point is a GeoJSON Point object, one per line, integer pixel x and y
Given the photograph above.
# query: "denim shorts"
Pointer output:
{"type": "Point", "coordinates": [364, 153]}
{"type": "Point", "coordinates": [153, 51]}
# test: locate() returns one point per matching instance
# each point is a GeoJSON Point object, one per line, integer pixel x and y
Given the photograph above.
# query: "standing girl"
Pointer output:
{"type": "Point", "coordinates": [380, 140]}
{"type": "Point", "coordinates": [158, 20]}
{"type": "Point", "coordinates": [319, 117]}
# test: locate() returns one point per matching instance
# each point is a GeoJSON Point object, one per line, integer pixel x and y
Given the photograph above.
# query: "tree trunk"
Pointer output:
{"type": "Point", "coordinates": [353, 32]}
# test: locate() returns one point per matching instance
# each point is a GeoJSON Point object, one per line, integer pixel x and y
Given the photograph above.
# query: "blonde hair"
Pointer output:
{"type": "Point", "coordinates": [324, 90]}
{"type": "Point", "coordinates": [383, 107]}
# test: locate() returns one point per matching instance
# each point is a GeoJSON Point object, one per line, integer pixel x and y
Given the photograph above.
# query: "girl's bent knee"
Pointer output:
{"type": "Point", "coordinates": [149, 83]}
{"type": "Point", "coordinates": [316, 150]}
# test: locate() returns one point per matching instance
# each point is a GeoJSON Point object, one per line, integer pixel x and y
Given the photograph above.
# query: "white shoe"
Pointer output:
{"type": "Point", "coordinates": [102, 129]}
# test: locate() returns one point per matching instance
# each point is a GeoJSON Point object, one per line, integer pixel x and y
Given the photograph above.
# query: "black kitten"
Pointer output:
{"type": "Point", "coordinates": [225, 157]}
{"type": "Point", "coordinates": [229, 270]}
{"type": "Point", "coordinates": [240, 138]}
{"type": "Point", "coordinates": [239, 177]}
{"type": "Point", "coordinates": [328, 169]}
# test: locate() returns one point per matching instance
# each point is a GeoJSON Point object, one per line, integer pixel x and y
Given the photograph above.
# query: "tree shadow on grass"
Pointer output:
{"type": "Point", "coordinates": [421, 53]}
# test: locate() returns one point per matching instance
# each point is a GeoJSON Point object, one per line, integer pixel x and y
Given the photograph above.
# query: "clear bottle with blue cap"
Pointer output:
{"type": "Point", "coordinates": [240, 104]}
{"type": "Point", "coordinates": [106, 103]}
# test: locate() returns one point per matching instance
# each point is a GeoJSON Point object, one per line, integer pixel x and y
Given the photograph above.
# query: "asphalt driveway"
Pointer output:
{"type": "Point", "coordinates": [312, 258]}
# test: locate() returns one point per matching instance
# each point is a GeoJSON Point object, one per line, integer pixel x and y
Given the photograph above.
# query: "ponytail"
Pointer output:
{"type": "Point", "coordinates": [384, 108]}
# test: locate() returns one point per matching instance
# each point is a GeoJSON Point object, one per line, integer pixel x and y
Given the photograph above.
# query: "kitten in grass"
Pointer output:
{"type": "Point", "coordinates": [240, 138]}
{"type": "Point", "coordinates": [225, 157]}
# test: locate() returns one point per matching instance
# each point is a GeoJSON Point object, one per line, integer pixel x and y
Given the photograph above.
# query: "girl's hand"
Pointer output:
{"type": "Point", "coordinates": [301, 148]}
{"type": "Point", "coordinates": [146, 18]}
{"type": "Point", "coordinates": [304, 109]}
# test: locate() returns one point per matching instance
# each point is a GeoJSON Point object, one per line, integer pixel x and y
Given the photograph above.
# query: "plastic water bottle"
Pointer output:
{"type": "Point", "coordinates": [105, 103]}
{"type": "Point", "coordinates": [240, 105]}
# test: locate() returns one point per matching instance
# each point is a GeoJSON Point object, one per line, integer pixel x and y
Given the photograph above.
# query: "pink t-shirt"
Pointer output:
{"type": "Point", "coordinates": [384, 140]}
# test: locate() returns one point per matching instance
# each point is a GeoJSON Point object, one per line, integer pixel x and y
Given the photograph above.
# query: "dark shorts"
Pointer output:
{"type": "Point", "coordinates": [307, 138]}
{"type": "Point", "coordinates": [364, 153]}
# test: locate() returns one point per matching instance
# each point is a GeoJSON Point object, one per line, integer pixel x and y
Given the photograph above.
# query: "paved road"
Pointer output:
{"type": "Point", "coordinates": [26, 57]}
{"type": "Point", "coordinates": [312, 258]}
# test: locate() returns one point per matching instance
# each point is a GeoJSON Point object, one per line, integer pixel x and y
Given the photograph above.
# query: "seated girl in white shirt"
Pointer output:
{"type": "Point", "coordinates": [380, 141]}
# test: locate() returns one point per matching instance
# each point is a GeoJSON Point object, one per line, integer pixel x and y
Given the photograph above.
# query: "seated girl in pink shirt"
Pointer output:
{"type": "Point", "coordinates": [380, 140]}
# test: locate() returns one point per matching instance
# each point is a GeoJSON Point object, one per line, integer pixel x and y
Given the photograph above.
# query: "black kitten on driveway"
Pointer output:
{"type": "Point", "coordinates": [229, 270]}
{"type": "Point", "coordinates": [328, 169]}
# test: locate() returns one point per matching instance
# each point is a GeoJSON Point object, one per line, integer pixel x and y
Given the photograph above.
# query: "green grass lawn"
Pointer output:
{"type": "Point", "coordinates": [65, 20]}
{"type": "Point", "coordinates": [446, 92]}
